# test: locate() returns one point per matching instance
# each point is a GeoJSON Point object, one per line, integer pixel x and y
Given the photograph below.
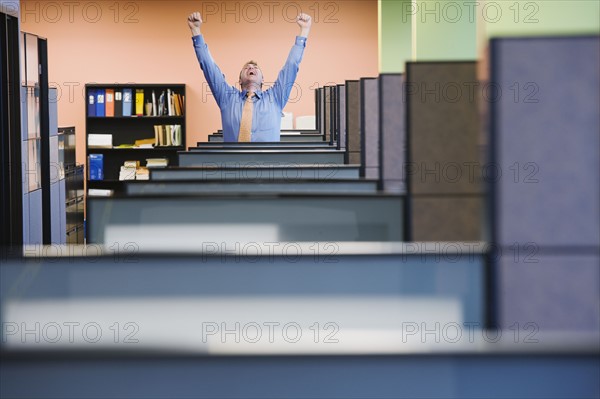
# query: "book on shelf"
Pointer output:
{"type": "Point", "coordinates": [154, 109]}
{"type": "Point", "coordinates": [100, 141]}
{"type": "Point", "coordinates": [142, 173]}
{"type": "Point", "coordinates": [131, 170]}
{"type": "Point", "coordinates": [96, 166]}
{"type": "Point", "coordinates": [168, 135]}
{"type": "Point", "coordinates": [139, 102]}
{"type": "Point", "coordinates": [157, 162]}
{"type": "Point", "coordinates": [100, 106]}
{"type": "Point", "coordinates": [144, 143]}
{"type": "Point", "coordinates": [170, 104]}
{"type": "Point", "coordinates": [131, 164]}
{"type": "Point", "coordinates": [161, 103]}
{"type": "Point", "coordinates": [178, 104]}
{"type": "Point", "coordinates": [127, 101]}
{"type": "Point", "coordinates": [127, 171]}
{"type": "Point", "coordinates": [118, 103]}
{"type": "Point", "coordinates": [110, 102]}
{"type": "Point", "coordinates": [91, 102]}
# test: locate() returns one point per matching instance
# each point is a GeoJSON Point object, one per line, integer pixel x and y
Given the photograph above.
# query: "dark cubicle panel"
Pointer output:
{"type": "Point", "coordinates": [340, 115]}
{"type": "Point", "coordinates": [36, 141]}
{"type": "Point", "coordinates": [318, 110]}
{"type": "Point", "coordinates": [445, 196]}
{"type": "Point", "coordinates": [353, 134]}
{"type": "Point", "coordinates": [11, 195]}
{"type": "Point", "coordinates": [369, 122]}
{"type": "Point", "coordinates": [392, 133]}
{"type": "Point", "coordinates": [326, 101]}
{"type": "Point", "coordinates": [333, 111]}
{"type": "Point", "coordinates": [544, 205]}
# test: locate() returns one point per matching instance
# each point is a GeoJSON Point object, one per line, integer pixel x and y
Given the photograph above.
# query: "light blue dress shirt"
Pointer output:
{"type": "Point", "coordinates": [268, 104]}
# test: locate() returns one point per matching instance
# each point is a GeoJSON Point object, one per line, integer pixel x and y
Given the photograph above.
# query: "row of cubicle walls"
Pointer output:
{"type": "Point", "coordinates": [434, 198]}
{"type": "Point", "coordinates": [437, 154]}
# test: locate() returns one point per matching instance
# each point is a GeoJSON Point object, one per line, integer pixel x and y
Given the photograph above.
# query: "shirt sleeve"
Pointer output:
{"type": "Point", "coordinates": [214, 77]}
{"type": "Point", "coordinates": [287, 76]}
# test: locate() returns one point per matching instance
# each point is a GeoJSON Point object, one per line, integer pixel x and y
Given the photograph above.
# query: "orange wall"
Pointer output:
{"type": "Point", "coordinates": [149, 42]}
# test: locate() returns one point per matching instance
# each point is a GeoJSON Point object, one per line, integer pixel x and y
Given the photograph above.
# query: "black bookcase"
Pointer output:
{"type": "Point", "coordinates": [128, 129]}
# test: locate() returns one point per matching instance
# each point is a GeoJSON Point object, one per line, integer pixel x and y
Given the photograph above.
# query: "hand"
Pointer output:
{"type": "Point", "coordinates": [194, 22]}
{"type": "Point", "coordinates": [304, 22]}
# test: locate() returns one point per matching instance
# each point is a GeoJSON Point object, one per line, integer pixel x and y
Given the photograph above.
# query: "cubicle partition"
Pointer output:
{"type": "Point", "coordinates": [353, 134]}
{"type": "Point", "coordinates": [290, 184]}
{"type": "Point", "coordinates": [545, 203]}
{"type": "Point", "coordinates": [443, 166]}
{"type": "Point", "coordinates": [340, 116]}
{"type": "Point", "coordinates": [369, 127]}
{"type": "Point", "coordinates": [214, 172]}
{"type": "Point", "coordinates": [174, 222]}
{"type": "Point", "coordinates": [226, 158]}
{"type": "Point", "coordinates": [392, 133]}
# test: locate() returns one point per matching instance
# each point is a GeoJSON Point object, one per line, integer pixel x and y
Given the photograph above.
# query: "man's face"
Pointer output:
{"type": "Point", "coordinates": [251, 73]}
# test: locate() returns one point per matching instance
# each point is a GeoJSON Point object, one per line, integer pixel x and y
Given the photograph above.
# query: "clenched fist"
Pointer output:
{"type": "Point", "coordinates": [194, 22]}
{"type": "Point", "coordinates": [304, 22]}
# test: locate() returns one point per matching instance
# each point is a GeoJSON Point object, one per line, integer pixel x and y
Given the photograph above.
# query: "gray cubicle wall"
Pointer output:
{"type": "Point", "coordinates": [227, 158]}
{"type": "Point", "coordinates": [158, 303]}
{"type": "Point", "coordinates": [369, 122]}
{"type": "Point", "coordinates": [294, 185]}
{"type": "Point", "coordinates": [341, 117]}
{"type": "Point", "coordinates": [255, 173]}
{"type": "Point", "coordinates": [353, 134]}
{"type": "Point", "coordinates": [184, 221]}
{"type": "Point", "coordinates": [545, 204]}
{"type": "Point", "coordinates": [445, 200]}
{"type": "Point", "coordinates": [392, 132]}
{"type": "Point", "coordinates": [510, 375]}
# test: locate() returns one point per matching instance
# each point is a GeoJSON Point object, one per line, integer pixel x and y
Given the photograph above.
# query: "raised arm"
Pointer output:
{"type": "Point", "coordinates": [287, 76]}
{"type": "Point", "coordinates": [195, 22]}
{"type": "Point", "coordinates": [214, 77]}
{"type": "Point", "coordinates": [304, 22]}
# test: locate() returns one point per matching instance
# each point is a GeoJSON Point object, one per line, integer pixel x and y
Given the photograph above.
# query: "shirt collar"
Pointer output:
{"type": "Point", "coordinates": [258, 93]}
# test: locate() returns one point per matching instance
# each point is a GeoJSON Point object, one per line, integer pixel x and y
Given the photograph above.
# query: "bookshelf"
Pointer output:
{"type": "Point", "coordinates": [111, 132]}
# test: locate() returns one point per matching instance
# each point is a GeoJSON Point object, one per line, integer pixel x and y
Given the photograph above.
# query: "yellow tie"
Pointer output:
{"type": "Point", "coordinates": [246, 123]}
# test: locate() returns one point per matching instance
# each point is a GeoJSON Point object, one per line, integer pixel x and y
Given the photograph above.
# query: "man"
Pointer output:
{"type": "Point", "coordinates": [250, 114]}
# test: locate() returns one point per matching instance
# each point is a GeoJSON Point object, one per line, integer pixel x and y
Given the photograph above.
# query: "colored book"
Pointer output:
{"type": "Point", "coordinates": [118, 103]}
{"type": "Point", "coordinates": [154, 109]}
{"type": "Point", "coordinates": [139, 102]}
{"type": "Point", "coordinates": [91, 108]}
{"type": "Point", "coordinates": [96, 162]}
{"type": "Point", "coordinates": [100, 105]}
{"type": "Point", "coordinates": [127, 101]}
{"type": "Point", "coordinates": [110, 102]}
